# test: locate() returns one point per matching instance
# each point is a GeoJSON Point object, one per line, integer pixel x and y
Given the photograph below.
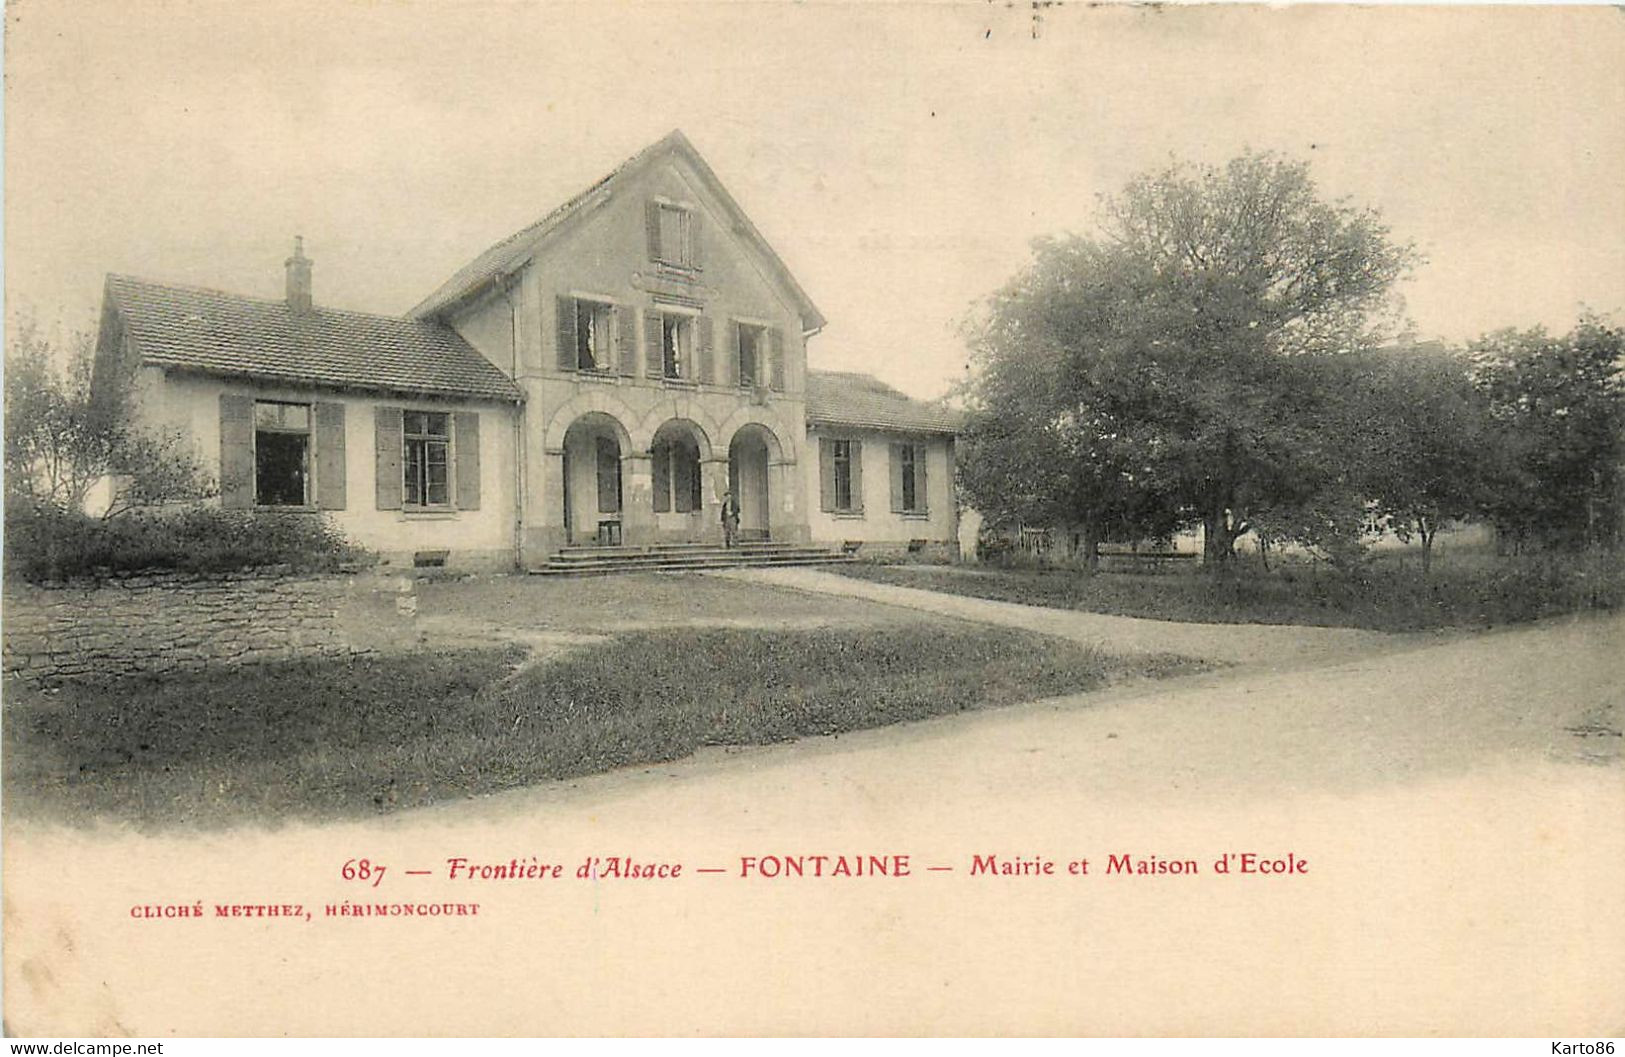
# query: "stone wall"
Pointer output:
{"type": "Point", "coordinates": [164, 621]}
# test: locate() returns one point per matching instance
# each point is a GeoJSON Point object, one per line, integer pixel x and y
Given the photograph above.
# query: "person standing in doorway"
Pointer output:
{"type": "Point", "coordinates": [730, 520]}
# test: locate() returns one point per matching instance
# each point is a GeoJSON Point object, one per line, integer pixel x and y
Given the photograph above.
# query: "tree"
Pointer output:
{"type": "Point", "coordinates": [1559, 406]}
{"type": "Point", "coordinates": [64, 434]}
{"type": "Point", "coordinates": [1024, 459]}
{"type": "Point", "coordinates": [1426, 437]}
{"type": "Point", "coordinates": [1188, 346]}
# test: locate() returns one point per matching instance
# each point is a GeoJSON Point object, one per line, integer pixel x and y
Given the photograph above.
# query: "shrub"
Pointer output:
{"type": "Point", "coordinates": [44, 543]}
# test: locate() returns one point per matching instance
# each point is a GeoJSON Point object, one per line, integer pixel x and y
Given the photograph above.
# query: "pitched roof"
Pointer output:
{"type": "Point", "coordinates": [848, 398]}
{"type": "Point", "coordinates": [512, 252]}
{"type": "Point", "coordinates": [226, 334]}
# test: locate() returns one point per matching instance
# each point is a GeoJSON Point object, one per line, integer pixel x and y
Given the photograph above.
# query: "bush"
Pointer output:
{"type": "Point", "coordinates": [43, 543]}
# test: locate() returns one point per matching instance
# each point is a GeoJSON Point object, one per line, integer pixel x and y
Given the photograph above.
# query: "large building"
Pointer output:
{"type": "Point", "coordinates": [605, 376]}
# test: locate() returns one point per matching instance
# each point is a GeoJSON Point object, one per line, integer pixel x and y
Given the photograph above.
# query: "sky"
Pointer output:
{"type": "Point", "coordinates": [900, 157]}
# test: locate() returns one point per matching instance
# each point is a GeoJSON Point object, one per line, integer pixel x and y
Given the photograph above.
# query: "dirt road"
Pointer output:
{"type": "Point", "coordinates": [1460, 808]}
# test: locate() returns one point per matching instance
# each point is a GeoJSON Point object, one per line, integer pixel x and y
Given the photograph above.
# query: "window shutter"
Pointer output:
{"type": "Point", "coordinates": [857, 476]}
{"type": "Point", "coordinates": [730, 373]}
{"type": "Point", "coordinates": [626, 339]}
{"type": "Point", "coordinates": [691, 229]}
{"type": "Point", "coordinates": [826, 475]}
{"type": "Point", "coordinates": [388, 444]}
{"type": "Point", "coordinates": [707, 351]}
{"type": "Point", "coordinates": [922, 498]}
{"type": "Point", "coordinates": [236, 451]}
{"type": "Point", "coordinates": [466, 439]}
{"type": "Point", "coordinates": [896, 478]}
{"type": "Point", "coordinates": [775, 358]}
{"type": "Point", "coordinates": [654, 366]}
{"type": "Point", "coordinates": [652, 223]}
{"type": "Point", "coordinates": [566, 333]}
{"type": "Point", "coordinates": [330, 483]}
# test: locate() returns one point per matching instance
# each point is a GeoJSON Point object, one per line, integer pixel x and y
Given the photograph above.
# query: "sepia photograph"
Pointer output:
{"type": "Point", "coordinates": [765, 519]}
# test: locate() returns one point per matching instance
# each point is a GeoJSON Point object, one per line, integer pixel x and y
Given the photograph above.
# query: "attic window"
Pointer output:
{"type": "Point", "coordinates": [676, 235]}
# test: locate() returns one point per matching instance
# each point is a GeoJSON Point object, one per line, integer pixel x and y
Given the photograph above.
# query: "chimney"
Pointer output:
{"type": "Point", "coordinates": [298, 267]}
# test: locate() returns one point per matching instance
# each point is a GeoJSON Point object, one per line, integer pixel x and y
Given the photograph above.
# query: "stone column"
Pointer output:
{"type": "Point", "coordinates": [544, 529]}
{"type": "Point", "coordinates": [784, 494]}
{"type": "Point", "coordinates": [637, 499]}
{"type": "Point", "coordinates": [713, 484]}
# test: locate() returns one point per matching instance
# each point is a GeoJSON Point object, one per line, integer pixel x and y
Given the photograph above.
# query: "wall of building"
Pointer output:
{"type": "Point", "coordinates": [878, 527]}
{"type": "Point", "coordinates": [165, 621]}
{"type": "Point", "coordinates": [602, 253]}
{"type": "Point", "coordinates": [482, 538]}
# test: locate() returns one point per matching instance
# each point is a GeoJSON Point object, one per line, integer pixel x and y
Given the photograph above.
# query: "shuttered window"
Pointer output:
{"type": "Point", "coordinates": [673, 238]}
{"type": "Point", "coordinates": [588, 335]}
{"type": "Point", "coordinates": [752, 347]}
{"type": "Point", "coordinates": [908, 492]}
{"type": "Point", "coordinates": [840, 472]}
{"type": "Point", "coordinates": [427, 459]}
{"type": "Point", "coordinates": [677, 345]}
{"type": "Point", "coordinates": [281, 454]}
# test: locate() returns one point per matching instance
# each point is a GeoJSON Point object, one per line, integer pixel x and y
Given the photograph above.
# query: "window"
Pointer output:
{"type": "Point", "coordinates": [594, 335]}
{"type": "Point", "coordinates": [676, 234]}
{"type": "Point", "coordinates": [752, 355]}
{"type": "Point", "coordinates": [909, 494]}
{"type": "Point", "coordinates": [676, 345]}
{"type": "Point", "coordinates": [840, 476]}
{"type": "Point", "coordinates": [843, 474]}
{"type": "Point", "coordinates": [281, 454]}
{"type": "Point", "coordinates": [428, 443]}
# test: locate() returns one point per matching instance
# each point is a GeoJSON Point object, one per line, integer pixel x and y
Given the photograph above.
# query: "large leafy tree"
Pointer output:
{"type": "Point", "coordinates": [1558, 403]}
{"type": "Point", "coordinates": [1187, 346]}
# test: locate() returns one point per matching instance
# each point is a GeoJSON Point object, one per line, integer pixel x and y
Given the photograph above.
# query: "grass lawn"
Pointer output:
{"type": "Point", "coordinates": [319, 739]}
{"type": "Point", "coordinates": [1475, 591]}
{"type": "Point", "coordinates": [639, 600]}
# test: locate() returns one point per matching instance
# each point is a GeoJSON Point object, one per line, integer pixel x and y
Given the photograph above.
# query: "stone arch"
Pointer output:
{"type": "Point", "coordinates": [780, 445]}
{"type": "Point", "coordinates": [679, 423]}
{"type": "Point", "coordinates": [596, 403]}
{"type": "Point", "coordinates": [685, 410]}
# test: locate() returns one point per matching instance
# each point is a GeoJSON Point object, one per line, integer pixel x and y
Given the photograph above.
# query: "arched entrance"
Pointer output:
{"type": "Point", "coordinates": [750, 455]}
{"type": "Point", "coordinates": [593, 486]}
{"type": "Point", "coordinates": [677, 481]}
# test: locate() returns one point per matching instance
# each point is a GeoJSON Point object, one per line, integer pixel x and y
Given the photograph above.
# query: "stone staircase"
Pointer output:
{"type": "Point", "coordinates": [672, 557]}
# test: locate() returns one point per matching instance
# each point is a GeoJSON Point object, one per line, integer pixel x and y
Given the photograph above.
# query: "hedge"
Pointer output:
{"type": "Point", "coordinates": [45, 544]}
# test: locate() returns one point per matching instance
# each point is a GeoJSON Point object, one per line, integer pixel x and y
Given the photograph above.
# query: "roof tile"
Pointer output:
{"type": "Point", "coordinates": [220, 333]}
{"type": "Point", "coordinates": [849, 398]}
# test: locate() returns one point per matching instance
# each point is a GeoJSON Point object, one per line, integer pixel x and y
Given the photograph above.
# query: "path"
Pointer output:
{"type": "Point", "coordinates": [1276, 646]}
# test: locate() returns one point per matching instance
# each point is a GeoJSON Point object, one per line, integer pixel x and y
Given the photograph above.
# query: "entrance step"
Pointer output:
{"type": "Point", "coordinates": [672, 557]}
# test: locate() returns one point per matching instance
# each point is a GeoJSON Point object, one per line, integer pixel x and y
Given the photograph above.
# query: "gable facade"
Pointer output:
{"type": "Point", "coordinates": [611, 375]}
